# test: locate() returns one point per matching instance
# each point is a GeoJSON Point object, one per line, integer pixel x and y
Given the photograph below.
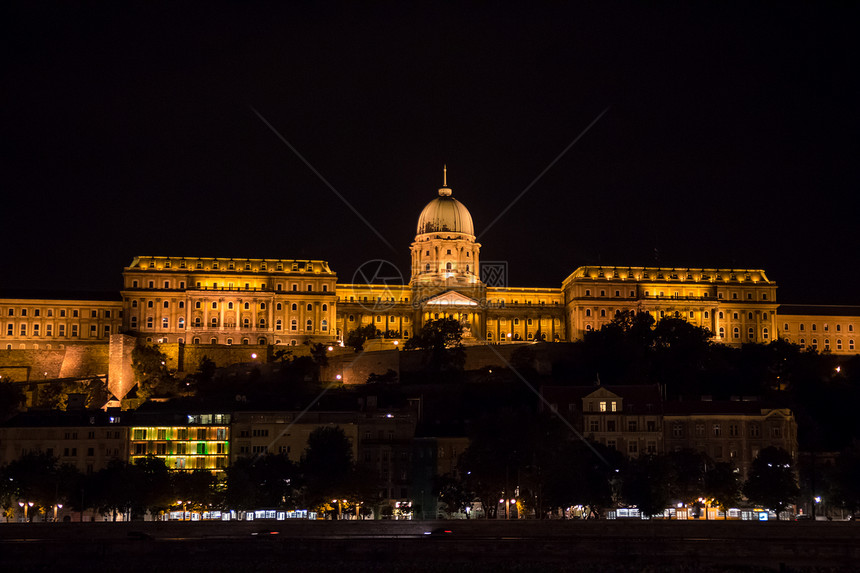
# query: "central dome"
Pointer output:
{"type": "Point", "coordinates": [445, 214]}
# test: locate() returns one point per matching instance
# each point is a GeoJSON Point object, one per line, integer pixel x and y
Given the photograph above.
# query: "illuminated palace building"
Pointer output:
{"type": "Point", "coordinates": [200, 301]}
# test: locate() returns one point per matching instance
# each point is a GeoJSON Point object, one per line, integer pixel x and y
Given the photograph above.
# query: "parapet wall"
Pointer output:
{"type": "Point", "coordinates": [73, 361]}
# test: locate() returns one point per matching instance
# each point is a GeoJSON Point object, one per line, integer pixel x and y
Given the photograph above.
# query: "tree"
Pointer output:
{"type": "Point", "coordinates": [689, 468]}
{"type": "Point", "coordinates": [437, 335]}
{"type": "Point", "coordinates": [200, 382]}
{"type": "Point", "coordinates": [771, 482]}
{"type": "Point", "coordinates": [443, 338]}
{"type": "Point", "coordinates": [499, 446]}
{"type": "Point", "coordinates": [453, 492]}
{"type": "Point", "coordinates": [114, 489]}
{"type": "Point", "coordinates": [152, 483]}
{"type": "Point", "coordinates": [356, 338]}
{"type": "Point", "coordinates": [647, 483]}
{"type": "Point", "coordinates": [723, 485]}
{"type": "Point", "coordinates": [265, 481]}
{"type": "Point", "coordinates": [196, 488]}
{"type": "Point", "coordinates": [39, 478]}
{"type": "Point", "coordinates": [846, 478]}
{"type": "Point", "coordinates": [327, 465]}
{"type": "Point", "coordinates": [390, 377]}
{"type": "Point", "coordinates": [150, 369]}
{"type": "Point", "coordinates": [11, 399]}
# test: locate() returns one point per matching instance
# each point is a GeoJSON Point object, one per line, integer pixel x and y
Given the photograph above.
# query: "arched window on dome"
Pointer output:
{"type": "Point", "coordinates": [467, 268]}
{"type": "Point", "coordinates": [448, 266]}
{"type": "Point", "coordinates": [427, 267]}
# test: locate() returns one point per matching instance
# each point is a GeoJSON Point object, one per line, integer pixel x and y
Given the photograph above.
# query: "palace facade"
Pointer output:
{"type": "Point", "coordinates": [285, 302]}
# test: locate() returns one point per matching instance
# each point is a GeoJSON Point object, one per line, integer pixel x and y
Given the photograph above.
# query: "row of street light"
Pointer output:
{"type": "Point", "coordinates": [27, 505]}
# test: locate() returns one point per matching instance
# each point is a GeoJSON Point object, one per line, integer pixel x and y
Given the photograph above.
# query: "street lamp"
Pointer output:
{"type": "Point", "coordinates": [26, 507]}
{"type": "Point", "coordinates": [57, 507]}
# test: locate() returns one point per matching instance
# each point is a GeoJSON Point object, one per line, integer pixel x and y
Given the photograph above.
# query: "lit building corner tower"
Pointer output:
{"type": "Point", "coordinates": [445, 277]}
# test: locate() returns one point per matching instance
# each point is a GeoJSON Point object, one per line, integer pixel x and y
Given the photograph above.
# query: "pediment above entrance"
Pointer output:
{"type": "Point", "coordinates": [451, 298]}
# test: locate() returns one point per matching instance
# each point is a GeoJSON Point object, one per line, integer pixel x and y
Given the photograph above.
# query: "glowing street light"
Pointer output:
{"type": "Point", "coordinates": [26, 506]}
{"type": "Point", "coordinates": [56, 507]}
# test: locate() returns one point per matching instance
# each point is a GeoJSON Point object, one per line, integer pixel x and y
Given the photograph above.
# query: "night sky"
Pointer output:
{"type": "Point", "coordinates": [732, 136]}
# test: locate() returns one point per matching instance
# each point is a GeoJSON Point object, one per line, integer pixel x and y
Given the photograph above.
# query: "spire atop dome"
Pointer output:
{"type": "Point", "coordinates": [445, 191]}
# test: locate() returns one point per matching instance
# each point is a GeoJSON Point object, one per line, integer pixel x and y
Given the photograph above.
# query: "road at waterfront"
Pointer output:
{"type": "Point", "coordinates": [406, 546]}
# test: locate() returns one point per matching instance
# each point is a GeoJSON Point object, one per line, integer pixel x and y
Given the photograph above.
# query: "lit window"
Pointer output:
{"type": "Point", "coordinates": [602, 406]}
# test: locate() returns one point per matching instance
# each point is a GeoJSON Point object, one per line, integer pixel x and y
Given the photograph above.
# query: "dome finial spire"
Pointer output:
{"type": "Point", "coordinates": [445, 191]}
